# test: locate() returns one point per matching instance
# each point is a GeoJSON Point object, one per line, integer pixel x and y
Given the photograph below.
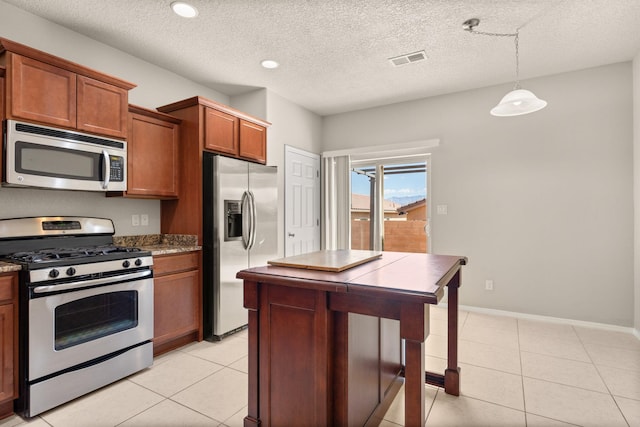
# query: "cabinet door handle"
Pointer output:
{"type": "Point", "coordinates": [292, 234]}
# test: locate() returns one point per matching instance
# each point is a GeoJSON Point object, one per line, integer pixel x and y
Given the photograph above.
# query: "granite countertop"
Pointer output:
{"type": "Point", "coordinates": [8, 267]}
{"type": "Point", "coordinates": [160, 244]}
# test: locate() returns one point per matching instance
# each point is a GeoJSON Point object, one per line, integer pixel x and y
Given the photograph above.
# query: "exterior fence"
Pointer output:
{"type": "Point", "coordinates": [399, 236]}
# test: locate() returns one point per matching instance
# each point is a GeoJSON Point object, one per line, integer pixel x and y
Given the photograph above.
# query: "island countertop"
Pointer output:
{"type": "Point", "coordinates": [401, 273]}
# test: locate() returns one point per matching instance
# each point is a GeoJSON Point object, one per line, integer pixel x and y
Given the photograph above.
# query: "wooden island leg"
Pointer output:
{"type": "Point", "coordinates": [452, 373]}
{"type": "Point", "coordinates": [414, 329]}
{"type": "Point", "coordinates": [251, 303]}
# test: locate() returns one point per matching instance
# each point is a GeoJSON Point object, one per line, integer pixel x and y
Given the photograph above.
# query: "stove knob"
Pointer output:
{"type": "Point", "coordinates": [138, 262]}
{"type": "Point", "coordinates": [54, 273]}
{"type": "Point", "coordinates": [71, 271]}
{"type": "Point", "coordinates": [126, 264]}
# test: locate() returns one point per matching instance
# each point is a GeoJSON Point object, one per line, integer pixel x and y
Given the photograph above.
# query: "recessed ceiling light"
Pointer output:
{"type": "Point", "coordinates": [269, 63]}
{"type": "Point", "coordinates": [184, 9]}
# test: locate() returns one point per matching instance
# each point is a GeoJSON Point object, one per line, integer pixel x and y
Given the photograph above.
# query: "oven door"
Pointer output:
{"type": "Point", "coordinates": [74, 327]}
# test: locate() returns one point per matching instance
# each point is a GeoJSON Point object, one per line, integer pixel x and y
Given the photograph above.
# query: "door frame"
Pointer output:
{"type": "Point", "coordinates": [288, 150]}
{"type": "Point", "coordinates": [401, 152]}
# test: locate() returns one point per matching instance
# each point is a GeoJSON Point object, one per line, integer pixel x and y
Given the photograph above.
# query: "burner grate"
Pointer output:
{"type": "Point", "coordinates": [56, 254]}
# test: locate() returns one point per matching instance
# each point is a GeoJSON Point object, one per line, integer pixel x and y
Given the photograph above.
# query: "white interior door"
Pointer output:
{"type": "Point", "coordinates": [302, 201]}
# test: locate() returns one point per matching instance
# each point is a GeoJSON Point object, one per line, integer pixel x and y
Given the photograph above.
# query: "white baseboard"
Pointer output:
{"type": "Point", "coordinates": [549, 319]}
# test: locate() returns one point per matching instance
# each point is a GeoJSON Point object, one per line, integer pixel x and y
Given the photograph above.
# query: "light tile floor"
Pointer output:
{"type": "Point", "coordinates": [514, 372]}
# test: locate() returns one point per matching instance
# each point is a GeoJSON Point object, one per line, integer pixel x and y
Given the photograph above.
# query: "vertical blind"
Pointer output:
{"type": "Point", "coordinates": [336, 202]}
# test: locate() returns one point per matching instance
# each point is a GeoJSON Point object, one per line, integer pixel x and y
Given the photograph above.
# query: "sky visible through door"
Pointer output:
{"type": "Point", "coordinates": [401, 188]}
{"type": "Point", "coordinates": [400, 221]}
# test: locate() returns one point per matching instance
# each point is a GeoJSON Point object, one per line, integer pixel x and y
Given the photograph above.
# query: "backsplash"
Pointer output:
{"type": "Point", "coordinates": [26, 202]}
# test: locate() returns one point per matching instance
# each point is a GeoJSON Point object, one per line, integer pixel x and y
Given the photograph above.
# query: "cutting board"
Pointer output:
{"type": "Point", "coordinates": [338, 260]}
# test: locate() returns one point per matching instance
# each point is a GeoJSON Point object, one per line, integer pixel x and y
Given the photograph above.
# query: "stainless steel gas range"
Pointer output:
{"type": "Point", "coordinates": [86, 307]}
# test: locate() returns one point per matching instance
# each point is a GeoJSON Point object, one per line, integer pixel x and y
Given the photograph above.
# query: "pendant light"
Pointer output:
{"type": "Point", "coordinates": [519, 101]}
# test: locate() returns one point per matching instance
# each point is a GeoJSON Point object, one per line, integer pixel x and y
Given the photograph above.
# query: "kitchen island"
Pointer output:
{"type": "Point", "coordinates": [301, 341]}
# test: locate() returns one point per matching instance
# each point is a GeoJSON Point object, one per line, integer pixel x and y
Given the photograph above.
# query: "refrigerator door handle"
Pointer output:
{"type": "Point", "coordinates": [254, 220]}
{"type": "Point", "coordinates": [247, 219]}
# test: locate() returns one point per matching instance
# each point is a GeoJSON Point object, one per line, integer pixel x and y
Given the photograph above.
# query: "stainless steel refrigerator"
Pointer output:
{"type": "Point", "coordinates": [240, 230]}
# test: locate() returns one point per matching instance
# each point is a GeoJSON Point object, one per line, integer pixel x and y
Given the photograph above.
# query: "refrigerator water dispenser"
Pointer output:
{"type": "Point", "coordinates": [233, 211]}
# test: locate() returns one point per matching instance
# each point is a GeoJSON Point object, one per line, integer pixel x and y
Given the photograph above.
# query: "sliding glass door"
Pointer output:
{"type": "Point", "coordinates": [389, 205]}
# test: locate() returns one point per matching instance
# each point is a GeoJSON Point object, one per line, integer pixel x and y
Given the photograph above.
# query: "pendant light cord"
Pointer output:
{"type": "Point", "coordinates": [516, 37]}
{"type": "Point", "coordinates": [518, 101]}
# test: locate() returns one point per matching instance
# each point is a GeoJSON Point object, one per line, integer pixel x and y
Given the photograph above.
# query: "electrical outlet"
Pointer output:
{"type": "Point", "coordinates": [144, 220]}
{"type": "Point", "coordinates": [488, 285]}
{"type": "Point", "coordinates": [135, 220]}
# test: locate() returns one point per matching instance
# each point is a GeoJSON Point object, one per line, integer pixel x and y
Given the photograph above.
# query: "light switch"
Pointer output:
{"type": "Point", "coordinates": [442, 209]}
{"type": "Point", "coordinates": [144, 219]}
{"type": "Point", "coordinates": [135, 220]}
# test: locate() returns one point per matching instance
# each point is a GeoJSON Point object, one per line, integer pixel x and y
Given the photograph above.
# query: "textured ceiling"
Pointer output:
{"type": "Point", "coordinates": [334, 53]}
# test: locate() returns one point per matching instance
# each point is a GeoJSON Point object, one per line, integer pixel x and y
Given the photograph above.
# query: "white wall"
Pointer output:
{"type": "Point", "coordinates": [253, 103]}
{"type": "Point", "coordinates": [292, 124]}
{"type": "Point", "coordinates": [541, 204]}
{"type": "Point", "coordinates": [636, 186]}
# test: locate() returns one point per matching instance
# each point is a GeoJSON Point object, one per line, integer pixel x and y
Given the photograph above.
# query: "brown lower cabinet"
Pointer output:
{"type": "Point", "coordinates": [316, 366]}
{"type": "Point", "coordinates": [2, 73]}
{"type": "Point", "coordinates": [8, 342]}
{"type": "Point", "coordinates": [177, 301]}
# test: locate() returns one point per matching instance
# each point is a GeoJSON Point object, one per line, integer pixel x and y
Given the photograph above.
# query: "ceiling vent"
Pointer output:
{"type": "Point", "coordinates": [409, 58]}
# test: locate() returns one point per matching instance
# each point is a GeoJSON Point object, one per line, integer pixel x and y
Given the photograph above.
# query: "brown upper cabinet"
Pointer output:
{"type": "Point", "coordinates": [152, 154]}
{"type": "Point", "coordinates": [220, 132]}
{"type": "Point", "coordinates": [226, 130]}
{"type": "Point", "coordinates": [253, 141]}
{"type": "Point", "coordinates": [46, 89]}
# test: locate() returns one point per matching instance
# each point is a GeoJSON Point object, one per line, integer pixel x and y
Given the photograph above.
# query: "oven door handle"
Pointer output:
{"type": "Point", "coordinates": [91, 282]}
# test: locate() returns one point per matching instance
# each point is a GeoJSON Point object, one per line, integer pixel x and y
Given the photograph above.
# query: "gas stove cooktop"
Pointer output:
{"type": "Point", "coordinates": [53, 255]}
{"type": "Point", "coordinates": [43, 242]}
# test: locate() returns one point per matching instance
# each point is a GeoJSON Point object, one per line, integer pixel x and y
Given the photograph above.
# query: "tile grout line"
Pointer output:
{"type": "Point", "coordinates": [195, 410]}
{"type": "Point", "coordinates": [601, 377]}
{"type": "Point", "coordinates": [433, 402]}
{"type": "Point", "coordinates": [524, 398]}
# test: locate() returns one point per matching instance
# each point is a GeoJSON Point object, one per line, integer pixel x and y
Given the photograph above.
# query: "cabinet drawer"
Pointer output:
{"type": "Point", "coordinates": [6, 286]}
{"type": "Point", "coordinates": [166, 264]}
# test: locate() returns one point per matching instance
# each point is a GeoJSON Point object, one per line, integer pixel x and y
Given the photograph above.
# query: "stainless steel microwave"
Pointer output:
{"type": "Point", "coordinates": [46, 157]}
